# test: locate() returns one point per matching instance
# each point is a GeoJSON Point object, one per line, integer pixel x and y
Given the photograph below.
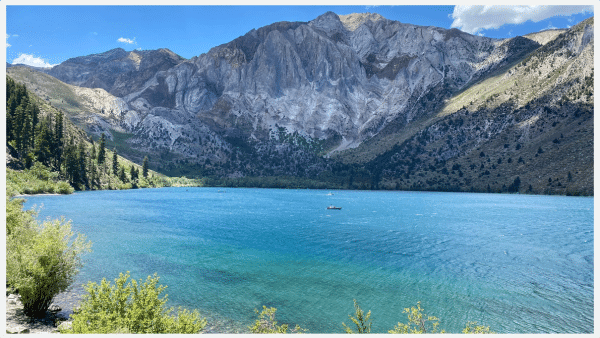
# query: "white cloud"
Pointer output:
{"type": "Point", "coordinates": [472, 19]}
{"type": "Point", "coordinates": [7, 44]}
{"type": "Point", "coordinates": [31, 60]}
{"type": "Point", "coordinates": [124, 40]}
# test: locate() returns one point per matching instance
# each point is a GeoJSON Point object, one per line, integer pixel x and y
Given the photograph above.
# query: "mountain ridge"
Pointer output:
{"type": "Point", "coordinates": [351, 86]}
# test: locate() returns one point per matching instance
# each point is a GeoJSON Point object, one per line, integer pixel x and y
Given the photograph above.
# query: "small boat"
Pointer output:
{"type": "Point", "coordinates": [330, 194]}
{"type": "Point", "coordinates": [331, 207]}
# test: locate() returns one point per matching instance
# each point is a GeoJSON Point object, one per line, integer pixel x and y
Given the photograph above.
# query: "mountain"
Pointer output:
{"type": "Point", "coordinates": [528, 128]}
{"type": "Point", "coordinates": [116, 71]}
{"type": "Point", "coordinates": [350, 93]}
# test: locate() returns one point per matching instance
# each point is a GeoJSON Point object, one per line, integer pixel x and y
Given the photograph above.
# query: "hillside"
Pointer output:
{"type": "Point", "coordinates": [48, 153]}
{"type": "Point", "coordinates": [533, 121]}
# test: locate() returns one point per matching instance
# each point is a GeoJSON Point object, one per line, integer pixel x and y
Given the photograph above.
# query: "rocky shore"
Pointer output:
{"type": "Point", "coordinates": [17, 322]}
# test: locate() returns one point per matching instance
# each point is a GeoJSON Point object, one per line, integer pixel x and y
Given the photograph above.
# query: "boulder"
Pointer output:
{"type": "Point", "coordinates": [65, 326]}
{"type": "Point", "coordinates": [18, 330]}
{"type": "Point", "coordinates": [54, 308]}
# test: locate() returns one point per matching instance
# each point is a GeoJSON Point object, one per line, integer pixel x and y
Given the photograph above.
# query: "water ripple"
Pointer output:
{"type": "Point", "coordinates": [520, 264]}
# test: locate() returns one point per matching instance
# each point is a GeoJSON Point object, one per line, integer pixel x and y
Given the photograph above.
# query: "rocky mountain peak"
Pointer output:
{"type": "Point", "coordinates": [249, 42]}
{"type": "Point", "coordinates": [113, 54]}
{"type": "Point", "coordinates": [354, 20]}
{"type": "Point", "coordinates": [116, 71]}
{"type": "Point", "coordinates": [170, 53]}
{"type": "Point", "coordinates": [327, 16]}
{"type": "Point", "coordinates": [328, 23]}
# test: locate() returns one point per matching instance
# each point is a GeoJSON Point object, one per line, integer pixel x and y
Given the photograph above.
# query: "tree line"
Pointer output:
{"type": "Point", "coordinates": [37, 137]}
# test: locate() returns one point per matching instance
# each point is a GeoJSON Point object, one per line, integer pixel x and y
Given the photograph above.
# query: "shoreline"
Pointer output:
{"type": "Point", "coordinates": [40, 194]}
{"type": "Point", "coordinates": [18, 322]}
{"type": "Point", "coordinates": [279, 188]}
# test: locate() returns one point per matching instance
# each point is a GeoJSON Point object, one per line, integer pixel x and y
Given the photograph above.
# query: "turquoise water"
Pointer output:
{"type": "Point", "coordinates": [518, 263]}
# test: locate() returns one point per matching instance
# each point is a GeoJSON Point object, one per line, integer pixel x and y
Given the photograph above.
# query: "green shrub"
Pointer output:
{"type": "Point", "coordinates": [361, 320]}
{"type": "Point", "coordinates": [124, 186]}
{"type": "Point", "coordinates": [418, 322]}
{"type": "Point", "coordinates": [36, 180]}
{"type": "Point", "coordinates": [63, 187]}
{"type": "Point", "coordinates": [472, 327]}
{"type": "Point", "coordinates": [131, 307]}
{"type": "Point", "coordinates": [41, 259]}
{"type": "Point", "coordinates": [266, 323]}
{"type": "Point", "coordinates": [16, 218]}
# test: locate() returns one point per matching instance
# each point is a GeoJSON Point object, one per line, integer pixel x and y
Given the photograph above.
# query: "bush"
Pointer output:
{"type": "Point", "coordinates": [16, 218]}
{"type": "Point", "coordinates": [134, 307]}
{"type": "Point", "coordinates": [266, 323]}
{"type": "Point", "coordinates": [361, 320]}
{"type": "Point", "coordinates": [418, 322]}
{"type": "Point", "coordinates": [63, 187]}
{"type": "Point", "coordinates": [41, 259]}
{"type": "Point", "coordinates": [472, 327]}
{"type": "Point", "coordinates": [36, 180]}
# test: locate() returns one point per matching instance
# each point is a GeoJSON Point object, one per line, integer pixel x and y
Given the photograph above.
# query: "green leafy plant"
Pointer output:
{"type": "Point", "coordinates": [41, 259]}
{"type": "Point", "coordinates": [361, 320]}
{"type": "Point", "coordinates": [266, 323]}
{"type": "Point", "coordinates": [472, 327]}
{"type": "Point", "coordinates": [38, 179]}
{"type": "Point", "coordinates": [131, 307]}
{"type": "Point", "coordinates": [418, 322]}
{"type": "Point", "coordinates": [16, 218]}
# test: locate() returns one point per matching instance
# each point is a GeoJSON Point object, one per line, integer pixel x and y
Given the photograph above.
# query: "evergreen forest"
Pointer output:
{"type": "Point", "coordinates": [46, 153]}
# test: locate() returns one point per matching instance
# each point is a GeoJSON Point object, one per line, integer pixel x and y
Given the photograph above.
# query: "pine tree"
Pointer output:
{"type": "Point", "coordinates": [19, 131]}
{"type": "Point", "coordinates": [29, 159]}
{"type": "Point", "coordinates": [102, 150]}
{"type": "Point", "coordinates": [93, 151]}
{"type": "Point", "coordinates": [70, 163]}
{"type": "Point", "coordinates": [58, 139]}
{"type": "Point", "coordinates": [115, 163]}
{"type": "Point", "coordinates": [11, 107]}
{"type": "Point", "coordinates": [34, 112]}
{"type": "Point", "coordinates": [145, 167]}
{"type": "Point", "coordinates": [122, 176]}
{"type": "Point", "coordinates": [10, 85]}
{"type": "Point", "coordinates": [81, 156]}
{"type": "Point", "coordinates": [94, 175]}
{"type": "Point", "coordinates": [43, 144]}
{"type": "Point", "coordinates": [133, 173]}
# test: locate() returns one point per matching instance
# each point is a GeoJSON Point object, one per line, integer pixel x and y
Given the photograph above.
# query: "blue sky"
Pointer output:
{"type": "Point", "coordinates": [48, 35]}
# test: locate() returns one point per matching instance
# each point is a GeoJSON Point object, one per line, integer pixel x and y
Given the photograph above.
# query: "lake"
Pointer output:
{"type": "Point", "coordinates": [516, 263]}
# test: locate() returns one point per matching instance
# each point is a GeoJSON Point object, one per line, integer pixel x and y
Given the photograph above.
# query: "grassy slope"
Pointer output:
{"type": "Point", "coordinates": [40, 180]}
{"type": "Point", "coordinates": [49, 90]}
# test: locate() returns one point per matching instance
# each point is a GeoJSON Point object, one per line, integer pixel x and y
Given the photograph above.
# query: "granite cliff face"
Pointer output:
{"type": "Point", "coordinates": [331, 77]}
{"type": "Point", "coordinates": [345, 86]}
